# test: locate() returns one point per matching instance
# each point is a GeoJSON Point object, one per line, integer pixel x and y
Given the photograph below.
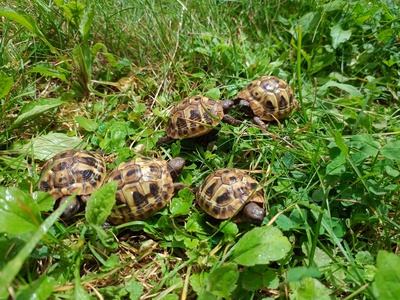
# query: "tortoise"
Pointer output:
{"type": "Point", "coordinates": [73, 171]}
{"type": "Point", "coordinates": [267, 98]}
{"type": "Point", "coordinates": [196, 116]}
{"type": "Point", "coordinates": [145, 185]}
{"type": "Point", "coordinates": [230, 193]}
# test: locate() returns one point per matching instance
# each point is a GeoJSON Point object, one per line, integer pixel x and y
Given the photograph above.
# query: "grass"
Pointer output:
{"type": "Point", "coordinates": [104, 75]}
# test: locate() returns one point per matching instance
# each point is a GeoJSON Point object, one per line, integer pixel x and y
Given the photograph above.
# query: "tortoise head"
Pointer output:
{"type": "Point", "coordinates": [175, 166]}
{"type": "Point", "coordinates": [253, 213]}
{"type": "Point", "coordinates": [72, 208]}
{"type": "Point", "coordinates": [227, 105]}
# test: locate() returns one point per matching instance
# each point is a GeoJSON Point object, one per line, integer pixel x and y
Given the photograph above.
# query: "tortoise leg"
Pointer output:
{"type": "Point", "coordinates": [72, 208]}
{"type": "Point", "coordinates": [179, 186]}
{"type": "Point", "coordinates": [164, 140]}
{"type": "Point", "coordinates": [244, 106]}
{"type": "Point", "coordinates": [259, 122]}
{"type": "Point", "coordinates": [231, 120]}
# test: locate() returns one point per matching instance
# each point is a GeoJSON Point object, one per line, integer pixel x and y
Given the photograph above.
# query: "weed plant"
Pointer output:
{"type": "Point", "coordinates": [103, 75]}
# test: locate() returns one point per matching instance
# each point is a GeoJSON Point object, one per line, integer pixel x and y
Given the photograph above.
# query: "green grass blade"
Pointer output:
{"type": "Point", "coordinates": [13, 267]}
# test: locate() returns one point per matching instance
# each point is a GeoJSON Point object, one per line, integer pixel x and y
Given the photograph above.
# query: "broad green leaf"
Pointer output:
{"type": "Point", "coordinates": [340, 142]}
{"type": "Point", "coordinates": [46, 146]}
{"type": "Point", "coordinates": [392, 171]}
{"type": "Point", "coordinates": [321, 61]}
{"type": "Point", "coordinates": [251, 280]}
{"type": "Point", "coordinates": [309, 21]}
{"type": "Point", "coordinates": [14, 163]}
{"type": "Point", "coordinates": [134, 288]}
{"type": "Point", "coordinates": [81, 294]}
{"type": "Point", "coordinates": [88, 125]}
{"type": "Point", "coordinates": [321, 259]}
{"type": "Point", "coordinates": [271, 279]}
{"type": "Point", "coordinates": [334, 5]}
{"type": "Point", "coordinates": [309, 288]}
{"type": "Point", "coordinates": [222, 280]}
{"type": "Point", "coordinates": [176, 149]}
{"type": "Point", "coordinates": [345, 87]}
{"type": "Point", "coordinates": [387, 277]}
{"type": "Point", "coordinates": [190, 243]}
{"type": "Point", "coordinates": [83, 63]}
{"type": "Point", "coordinates": [181, 206]}
{"type": "Point", "coordinates": [39, 289]}
{"type": "Point", "coordinates": [10, 246]}
{"type": "Point", "coordinates": [44, 200]}
{"type": "Point", "coordinates": [229, 229]}
{"type": "Point", "coordinates": [260, 246]}
{"type": "Point", "coordinates": [170, 297]}
{"type": "Point", "coordinates": [386, 34]}
{"type": "Point", "coordinates": [114, 292]}
{"type": "Point", "coordinates": [364, 258]}
{"type": "Point", "coordinates": [86, 22]}
{"type": "Point", "coordinates": [339, 36]}
{"type": "Point", "coordinates": [6, 84]}
{"type": "Point", "coordinates": [98, 47]}
{"type": "Point", "coordinates": [19, 213]}
{"type": "Point", "coordinates": [391, 150]}
{"type": "Point", "coordinates": [284, 223]}
{"type": "Point", "coordinates": [73, 10]}
{"type": "Point", "coordinates": [20, 17]}
{"type": "Point", "coordinates": [34, 109]}
{"type": "Point", "coordinates": [48, 71]}
{"type": "Point", "coordinates": [299, 273]}
{"type": "Point", "coordinates": [198, 281]}
{"type": "Point", "coordinates": [195, 223]}
{"type": "Point", "coordinates": [379, 188]}
{"type": "Point", "coordinates": [29, 23]}
{"type": "Point", "coordinates": [337, 166]}
{"type": "Point", "coordinates": [366, 144]}
{"type": "Point", "coordinates": [198, 75]}
{"type": "Point", "coordinates": [214, 93]}
{"type": "Point", "coordinates": [12, 268]}
{"type": "Point", "coordinates": [111, 263]}
{"type": "Point", "coordinates": [100, 203]}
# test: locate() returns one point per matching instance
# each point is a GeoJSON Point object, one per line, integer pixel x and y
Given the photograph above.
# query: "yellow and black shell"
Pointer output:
{"type": "Point", "coordinates": [73, 171]}
{"type": "Point", "coordinates": [193, 117]}
{"type": "Point", "coordinates": [231, 193]}
{"type": "Point", "coordinates": [270, 98]}
{"type": "Point", "coordinates": [145, 186]}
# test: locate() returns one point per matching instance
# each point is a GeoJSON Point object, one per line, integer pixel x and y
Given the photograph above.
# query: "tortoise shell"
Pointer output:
{"type": "Point", "coordinates": [228, 192]}
{"type": "Point", "coordinates": [193, 117]}
{"type": "Point", "coordinates": [145, 185]}
{"type": "Point", "coordinates": [270, 98]}
{"type": "Point", "coordinates": [72, 171]}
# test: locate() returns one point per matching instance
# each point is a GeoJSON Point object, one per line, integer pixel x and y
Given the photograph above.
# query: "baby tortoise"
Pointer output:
{"type": "Point", "coordinates": [145, 186]}
{"type": "Point", "coordinates": [196, 116]}
{"type": "Point", "coordinates": [268, 98]}
{"type": "Point", "coordinates": [73, 171]}
{"type": "Point", "coordinates": [230, 193]}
